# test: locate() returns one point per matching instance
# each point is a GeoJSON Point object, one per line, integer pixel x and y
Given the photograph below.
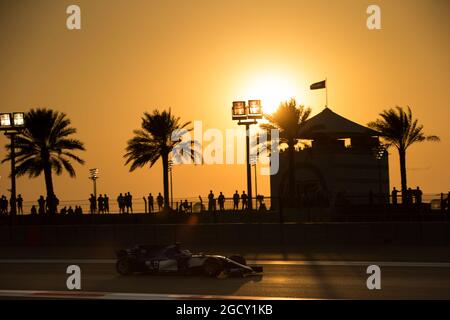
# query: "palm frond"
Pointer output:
{"type": "Point", "coordinates": [45, 141]}
{"type": "Point", "coordinates": [397, 127]}
{"type": "Point", "coordinates": [154, 139]}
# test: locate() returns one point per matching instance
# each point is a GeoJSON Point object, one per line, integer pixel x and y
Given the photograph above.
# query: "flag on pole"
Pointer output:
{"type": "Point", "coordinates": [318, 85]}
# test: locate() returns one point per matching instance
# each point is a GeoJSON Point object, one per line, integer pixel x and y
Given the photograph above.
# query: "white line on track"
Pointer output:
{"type": "Point", "coordinates": [260, 262]}
{"type": "Point", "coordinates": [39, 294]}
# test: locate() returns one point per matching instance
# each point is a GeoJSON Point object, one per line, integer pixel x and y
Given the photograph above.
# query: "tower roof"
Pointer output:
{"type": "Point", "coordinates": [329, 123]}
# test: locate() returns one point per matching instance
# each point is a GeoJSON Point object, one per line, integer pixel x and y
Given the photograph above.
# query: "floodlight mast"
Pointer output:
{"type": "Point", "coordinates": [12, 123]}
{"type": "Point", "coordinates": [247, 115]}
{"type": "Point", "coordinates": [93, 175]}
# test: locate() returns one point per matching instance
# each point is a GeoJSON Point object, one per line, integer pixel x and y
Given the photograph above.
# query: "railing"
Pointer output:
{"type": "Point", "coordinates": [308, 208]}
{"type": "Point", "coordinates": [141, 206]}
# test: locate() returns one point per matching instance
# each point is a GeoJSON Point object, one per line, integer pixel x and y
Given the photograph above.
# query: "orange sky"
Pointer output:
{"type": "Point", "coordinates": [197, 56]}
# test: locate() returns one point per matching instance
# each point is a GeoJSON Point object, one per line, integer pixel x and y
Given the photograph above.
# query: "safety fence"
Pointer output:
{"type": "Point", "coordinates": [307, 208]}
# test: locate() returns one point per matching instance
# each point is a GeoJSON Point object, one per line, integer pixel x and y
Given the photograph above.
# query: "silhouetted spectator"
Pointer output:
{"type": "Point", "coordinates": [201, 203]}
{"type": "Point", "coordinates": [33, 210]}
{"type": "Point", "coordinates": [78, 210]}
{"type": "Point", "coordinates": [150, 203]}
{"type": "Point", "coordinates": [418, 195]}
{"type": "Point", "coordinates": [394, 194]}
{"type": "Point", "coordinates": [51, 204]}
{"type": "Point", "coordinates": [63, 211]}
{"type": "Point", "coordinates": [92, 204]}
{"type": "Point", "coordinates": [262, 207]}
{"type": "Point", "coordinates": [121, 203]}
{"type": "Point", "coordinates": [101, 204]}
{"type": "Point", "coordinates": [106, 203]}
{"type": "Point", "coordinates": [244, 198]}
{"type": "Point", "coordinates": [180, 207]}
{"type": "Point", "coordinates": [55, 203]}
{"type": "Point", "coordinates": [70, 211]}
{"type": "Point", "coordinates": [184, 206]}
{"type": "Point", "coordinates": [3, 205]}
{"type": "Point", "coordinates": [159, 201]}
{"type": "Point", "coordinates": [260, 199]}
{"type": "Point", "coordinates": [187, 206]}
{"type": "Point", "coordinates": [236, 201]}
{"type": "Point", "coordinates": [221, 200]}
{"type": "Point", "coordinates": [20, 204]}
{"type": "Point", "coordinates": [211, 201]}
{"type": "Point", "coordinates": [145, 204]}
{"type": "Point", "coordinates": [129, 202]}
{"type": "Point", "coordinates": [41, 204]}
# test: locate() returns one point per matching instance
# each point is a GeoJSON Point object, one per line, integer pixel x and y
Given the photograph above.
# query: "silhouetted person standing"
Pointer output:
{"type": "Point", "coordinates": [52, 204]}
{"type": "Point", "coordinates": [187, 206]}
{"type": "Point", "coordinates": [129, 202]}
{"type": "Point", "coordinates": [145, 204]}
{"type": "Point", "coordinates": [260, 199]}
{"type": "Point", "coordinates": [20, 204]}
{"type": "Point", "coordinates": [121, 203]}
{"type": "Point", "coordinates": [92, 204]}
{"type": "Point", "coordinates": [3, 205]}
{"type": "Point", "coordinates": [394, 195]}
{"type": "Point", "coordinates": [101, 208]}
{"type": "Point", "coordinates": [244, 200]}
{"type": "Point", "coordinates": [160, 200]}
{"type": "Point", "coordinates": [418, 194]}
{"type": "Point", "coordinates": [55, 203]}
{"type": "Point", "coordinates": [236, 201]}
{"type": "Point", "coordinates": [106, 203]}
{"type": "Point", "coordinates": [201, 203]}
{"type": "Point", "coordinates": [221, 200]}
{"type": "Point", "coordinates": [211, 201]}
{"type": "Point", "coordinates": [41, 204]}
{"type": "Point", "coordinates": [150, 203]}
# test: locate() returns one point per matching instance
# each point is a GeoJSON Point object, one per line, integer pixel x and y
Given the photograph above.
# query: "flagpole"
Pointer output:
{"type": "Point", "coordinates": [326, 93]}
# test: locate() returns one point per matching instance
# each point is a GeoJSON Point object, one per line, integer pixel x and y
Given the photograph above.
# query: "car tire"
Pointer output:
{"type": "Point", "coordinates": [212, 267]}
{"type": "Point", "coordinates": [238, 259]}
{"type": "Point", "coordinates": [124, 266]}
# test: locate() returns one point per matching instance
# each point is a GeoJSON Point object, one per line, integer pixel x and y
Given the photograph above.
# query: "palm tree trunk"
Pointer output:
{"type": "Point", "coordinates": [402, 156]}
{"type": "Point", "coordinates": [48, 180]}
{"type": "Point", "coordinates": [49, 187]}
{"type": "Point", "coordinates": [165, 162]}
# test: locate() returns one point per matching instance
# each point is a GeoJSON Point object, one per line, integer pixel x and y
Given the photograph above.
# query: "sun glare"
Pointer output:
{"type": "Point", "coordinates": [271, 89]}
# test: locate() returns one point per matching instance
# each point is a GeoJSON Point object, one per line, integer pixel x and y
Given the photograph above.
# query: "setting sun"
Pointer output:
{"type": "Point", "coordinates": [271, 89]}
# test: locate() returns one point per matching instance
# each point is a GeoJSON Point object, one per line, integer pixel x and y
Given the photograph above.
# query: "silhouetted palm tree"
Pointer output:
{"type": "Point", "coordinates": [154, 141]}
{"type": "Point", "coordinates": [289, 119]}
{"type": "Point", "coordinates": [45, 146]}
{"type": "Point", "coordinates": [399, 129]}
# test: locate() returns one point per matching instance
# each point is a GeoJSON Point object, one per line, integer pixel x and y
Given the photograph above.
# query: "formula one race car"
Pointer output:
{"type": "Point", "coordinates": [173, 259]}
